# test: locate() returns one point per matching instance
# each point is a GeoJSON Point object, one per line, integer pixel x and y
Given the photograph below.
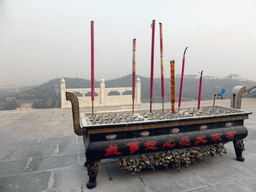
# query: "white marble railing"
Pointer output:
{"type": "Point", "coordinates": [103, 96]}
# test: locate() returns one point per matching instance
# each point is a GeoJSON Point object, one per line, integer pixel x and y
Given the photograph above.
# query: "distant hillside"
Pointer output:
{"type": "Point", "coordinates": [47, 94]}
{"type": "Point", "coordinates": [70, 83]}
{"type": "Point", "coordinates": [8, 92]}
{"type": "Point", "coordinates": [190, 87]}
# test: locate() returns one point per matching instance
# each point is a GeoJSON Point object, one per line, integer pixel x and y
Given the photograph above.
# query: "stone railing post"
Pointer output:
{"type": "Point", "coordinates": [102, 92]}
{"type": "Point", "coordinates": [63, 93]}
{"type": "Point", "coordinates": [138, 91]}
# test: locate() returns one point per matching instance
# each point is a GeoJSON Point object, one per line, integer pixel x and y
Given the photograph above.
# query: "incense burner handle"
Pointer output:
{"type": "Point", "coordinates": [236, 101]}
{"type": "Point", "coordinates": [75, 111]}
{"type": "Point", "coordinates": [236, 97]}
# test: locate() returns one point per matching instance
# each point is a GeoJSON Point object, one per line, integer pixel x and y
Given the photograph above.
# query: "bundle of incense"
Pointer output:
{"type": "Point", "coordinates": [172, 67]}
{"type": "Point", "coordinates": [133, 74]}
{"type": "Point", "coordinates": [92, 65]}
{"type": "Point", "coordinates": [152, 65]}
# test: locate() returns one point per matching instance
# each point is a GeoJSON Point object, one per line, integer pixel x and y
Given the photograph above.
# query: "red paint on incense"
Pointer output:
{"type": "Point", "coordinates": [152, 64]}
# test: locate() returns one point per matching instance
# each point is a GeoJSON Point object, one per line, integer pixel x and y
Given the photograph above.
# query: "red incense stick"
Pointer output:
{"type": "Point", "coordinates": [152, 64]}
{"type": "Point", "coordinates": [162, 64]}
{"type": "Point", "coordinates": [92, 66]}
{"type": "Point", "coordinates": [200, 89]}
{"type": "Point", "coordinates": [181, 80]}
{"type": "Point", "coordinates": [172, 67]}
{"type": "Point", "coordinates": [133, 74]}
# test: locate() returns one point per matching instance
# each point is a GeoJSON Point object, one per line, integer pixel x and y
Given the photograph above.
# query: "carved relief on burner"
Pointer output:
{"type": "Point", "coordinates": [203, 127]}
{"type": "Point", "coordinates": [144, 133]}
{"type": "Point", "coordinates": [228, 124]}
{"type": "Point", "coordinates": [111, 137]}
{"type": "Point", "coordinates": [175, 130]}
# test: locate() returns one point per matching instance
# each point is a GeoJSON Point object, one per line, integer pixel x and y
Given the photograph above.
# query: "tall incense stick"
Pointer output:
{"type": "Point", "coordinates": [92, 66]}
{"type": "Point", "coordinates": [181, 80]}
{"type": "Point", "coordinates": [133, 74]}
{"type": "Point", "coordinates": [162, 64]}
{"type": "Point", "coordinates": [172, 67]}
{"type": "Point", "coordinates": [200, 89]}
{"type": "Point", "coordinates": [152, 64]}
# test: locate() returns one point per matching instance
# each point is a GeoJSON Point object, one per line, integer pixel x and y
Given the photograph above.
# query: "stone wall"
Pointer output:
{"type": "Point", "coordinates": [103, 96]}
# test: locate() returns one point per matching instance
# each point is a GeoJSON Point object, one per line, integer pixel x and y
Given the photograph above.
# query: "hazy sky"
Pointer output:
{"type": "Point", "coordinates": [45, 39]}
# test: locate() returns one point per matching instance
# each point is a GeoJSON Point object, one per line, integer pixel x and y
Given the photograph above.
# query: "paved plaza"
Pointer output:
{"type": "Point", "coordinates": [39, 151]}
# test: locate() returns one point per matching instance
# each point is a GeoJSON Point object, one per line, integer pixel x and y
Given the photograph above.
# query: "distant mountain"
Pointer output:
{"type": "Point", "coordinates": [47, 94]}
{"type": "Point", "coordinates": [10, 91]}
{"type": "Point", "coordinates": [70, 83]}
{"type": "Point", "coordinates": [190, 87]}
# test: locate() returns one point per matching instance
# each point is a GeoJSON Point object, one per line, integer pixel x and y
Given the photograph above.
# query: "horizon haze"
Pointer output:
{"type": "Point", "coordinates": [43, 40]}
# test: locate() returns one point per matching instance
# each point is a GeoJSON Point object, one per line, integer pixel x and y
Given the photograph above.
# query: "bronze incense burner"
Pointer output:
{"type": "Point", "coordinates": [147, 140]}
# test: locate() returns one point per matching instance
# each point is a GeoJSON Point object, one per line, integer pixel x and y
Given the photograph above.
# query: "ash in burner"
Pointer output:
{"type": "Point", "coordinates": [113, 118]}
{"type": "Point", "coordinates": [126, 117]}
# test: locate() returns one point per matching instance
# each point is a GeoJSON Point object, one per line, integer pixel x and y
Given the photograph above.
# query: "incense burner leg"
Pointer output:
{"type": "Point", "coordinates": [93, 167]}
{"type": "Point", "coordinates": [239, 148]}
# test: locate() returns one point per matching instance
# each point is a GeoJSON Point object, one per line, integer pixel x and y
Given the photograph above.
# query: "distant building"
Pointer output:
{"type": "Point", "coordinates": [10, 103]}
{"type": "Point", "coordinates": [2, 104]}
{"type": "Point", "coordinates": [10, 99]}
{"type": "Point", "coordinates": [233, 76]}
{"type": "Point", "coordinates": [188, 76]}
{"type": "Point", "coordinates": [191, 76]}
{"type": "Point", "coordinates": [195, 77]}
{"type": "Point", "coordinates": [209, 77]}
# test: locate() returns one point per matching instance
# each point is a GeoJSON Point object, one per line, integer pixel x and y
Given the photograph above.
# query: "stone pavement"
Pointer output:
{"type": "Point", "coordinates": [40, 152]}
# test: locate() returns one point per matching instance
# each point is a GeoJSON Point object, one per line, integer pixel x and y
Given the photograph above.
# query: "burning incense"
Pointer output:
{"type": "Point", "coordinates": [92, 65]}
{"type": "Point", "coordinates": [152, 64]}
{"type": "Point", "coordinates": [172, 67]}
{"type": "Point", "coordinates": [133, 74]}
{"type": "Point", "coordinates": [200, 89]}
{"type": "Point", "coordinates": [162, 64]}
{"type": "Point", "coordinates": [214, 100]}
{"type": "Point", "coordinates": [181, 80]}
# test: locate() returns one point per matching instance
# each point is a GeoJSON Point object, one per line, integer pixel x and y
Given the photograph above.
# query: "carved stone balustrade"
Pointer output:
{"type": "Point", "coordinates": [104, 97]}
